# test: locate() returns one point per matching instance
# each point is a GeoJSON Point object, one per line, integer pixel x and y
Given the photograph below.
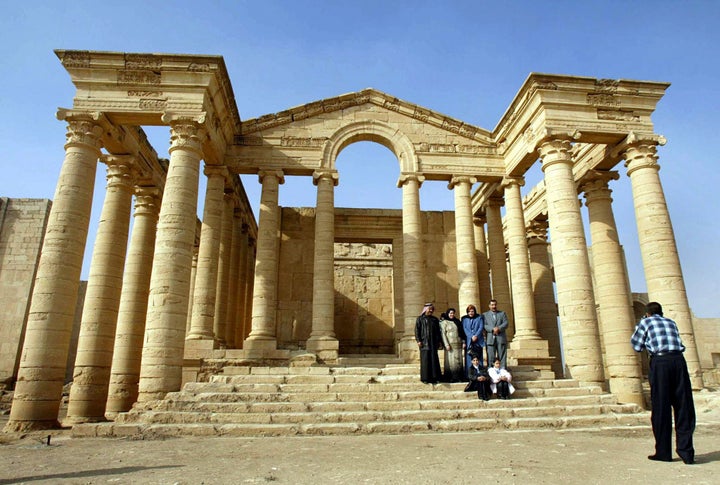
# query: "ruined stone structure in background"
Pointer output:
{"type": "Point", "coordinates": [182, 292]}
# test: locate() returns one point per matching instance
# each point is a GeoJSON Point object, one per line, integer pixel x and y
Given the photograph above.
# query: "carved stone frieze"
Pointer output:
{"type": "Point", "coordinates": [144, 93]}
{"type": "Point", "coordinates": [299, 142]}
{"type": "Point", "coordinates": [363, 251]}
{"type": "Point", "coordinates": [420, 114]}
{"type": "Point", "coordinates": [198, 67]}
{"type": "Point", "coordinates": [140, 61]}
{"type": "Point", "coordinates": [546, 86]}
{"type": "Point", "coordinates": [152, 104]}
{"type": "Point", "coordinates": [452, 148]}
{"type": "Point", "coordinates": [148, 78]}
{"type": "Point", "coordinates": [602, 99]}
{"type": "Point", "coordinates": [76, 59]}
{"type": "Point", "coordinates": [392, 105]}
{"type": "Point", "coordinates": [617, 114]}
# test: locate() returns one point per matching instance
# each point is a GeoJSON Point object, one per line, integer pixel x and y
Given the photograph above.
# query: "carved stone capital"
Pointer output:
{"type": "Point", "coordinates": [122, 170]}
{"type": "Point", "coordinates": [461, 179]}
{"type": "Point", "coordinates": [147, 200]}
{"type": "Point", "coordinates": [279, 174]}
{"type": "Point", "coordinates": [410, 176]}
{"type": "Point", "coordinates": [216, 171]}
{"type": "Point", "coordinates": [641, 155]}
{"type": "Point", "coordinates": [187, 135]}
{"type": "Point", "coordinates": [555, 150]}
{"type": "Point", "coordinates": [83, 132]}
{"type": "Point", "coordinates": [331, 175]}
{"type": "Point", "coordinates": [508, 181]}
{"type": "Point", "coordinates": [495, 202]}
{"type": "Point", "coordinates": [595, 183]}
{"type": "Point", "coordinates": [537, 231]}
{"type": "Point", "coordinates": [480, 220]}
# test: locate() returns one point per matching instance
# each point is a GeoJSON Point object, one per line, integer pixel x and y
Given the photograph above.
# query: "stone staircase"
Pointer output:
{"type": "Point", "coordinates": [360, 397]}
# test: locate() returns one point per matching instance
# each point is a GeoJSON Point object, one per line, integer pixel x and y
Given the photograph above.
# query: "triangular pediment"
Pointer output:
{"type": "Point", "coordinates": [368, 96]}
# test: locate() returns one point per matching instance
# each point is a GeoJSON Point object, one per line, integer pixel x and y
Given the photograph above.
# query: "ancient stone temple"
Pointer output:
{"type": "Point", "coordinates": [327, 281]}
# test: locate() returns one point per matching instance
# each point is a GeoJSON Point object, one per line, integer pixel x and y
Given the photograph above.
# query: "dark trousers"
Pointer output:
{"type": "Point", "coordinates": [482, 388]}
{"type": "Point", "coordinates": [671, 392]}
{"type": "Point", "coordinates": [503, 389]}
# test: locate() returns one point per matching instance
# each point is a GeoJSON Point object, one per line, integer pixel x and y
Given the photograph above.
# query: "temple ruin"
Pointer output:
{"type": "Point", "coordinates": [324, 282]}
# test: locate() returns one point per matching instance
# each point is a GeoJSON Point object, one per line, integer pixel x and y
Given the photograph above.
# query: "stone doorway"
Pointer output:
{"type": "Point", "coordinates": [364, 309]}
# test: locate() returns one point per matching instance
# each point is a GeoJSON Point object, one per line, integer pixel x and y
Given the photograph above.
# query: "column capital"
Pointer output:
{"type": "Point", "coordinates": [332, 175]}
{"type": "Point", "coordinates": [122, 171]}
{"type": "Point", "coordinates": [495, 201]}
{"type": "Point", "coordinates": [147, 200]}
{"type": "Point", "coordinates": [279, 174]}
{"type": "Point", "coordinates": [406, 177]}
{"type": "Point", "coordinates": [186, 133]}
{"type": "Point", "coordinates": [81, 131]}
{"type": "Point", "coordinates": [555, 150]}
{"type": "Point", "coordinates": [537, 231]}
{"type": "Point", "coordinates": [508, 181]}
{"type": "Point", "coordinates": [595, 184]}
{"type": "Point", "coordinates": [479, 220]}
{"type": "Point", "coordinates": [461, 179]}
{"type": "Point", "coordinates": [641, 155]}
{"type": "Point", "coordinates": [216, 171]}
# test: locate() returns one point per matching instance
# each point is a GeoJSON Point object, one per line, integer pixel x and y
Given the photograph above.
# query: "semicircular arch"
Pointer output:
{"type": "Point", "coordinates": [374, 131]}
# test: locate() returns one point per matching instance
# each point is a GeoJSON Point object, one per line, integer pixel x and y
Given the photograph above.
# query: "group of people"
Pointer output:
{"type": "Point", "coordinates": [465, 342]}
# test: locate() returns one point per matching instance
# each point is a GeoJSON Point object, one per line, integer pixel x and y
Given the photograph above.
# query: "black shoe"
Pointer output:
{"type": "Point", "coordinates": [658, 458]}
{"type": "Point", "coordinates": [688, 460]}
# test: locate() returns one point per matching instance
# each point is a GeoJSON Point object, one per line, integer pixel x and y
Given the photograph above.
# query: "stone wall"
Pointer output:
{"type": "Point", "coordinates": [707, 339]}
{"type": "Point", "coordinates": [22, 228]}
{"type": "Point", "coordinates": [368, 287]}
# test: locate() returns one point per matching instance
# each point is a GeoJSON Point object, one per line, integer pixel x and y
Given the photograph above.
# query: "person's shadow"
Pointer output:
{"type": "Point", "coordinates": [707, 457]}
{"type": "Point", "coordinates": [86, 473]}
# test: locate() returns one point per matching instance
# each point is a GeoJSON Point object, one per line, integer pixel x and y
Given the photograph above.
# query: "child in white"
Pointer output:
{"type": "Point", "coordinates": [500, 381]}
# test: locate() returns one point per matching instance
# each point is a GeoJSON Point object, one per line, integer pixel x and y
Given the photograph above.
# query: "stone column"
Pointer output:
{"type": "Point", "coordinates": [223, 272]}
{"type": "Point", "coordinates": [544, 293]}
{"type": "Point", "coordinates": [262, 335]}
{"type": "Point", "coordinates": [468, 292]}
{"type": "Point", "coordinates": [249, 287]}
{"type": "Point", "coordinates": [576, 299]}
{"type": "Point", "coordinates": [162, 355]}
{"type": "Point", "coordinates": [91, 375]}
{"type": "Point", "coordinates": [663, 273]}
{"type": "Point", "coordinates": [243, 284]}
{"type": "Point", "coordinates": [522, 290]}
{"type": "Point", "coordinates": [483, 268]}
{"type": "Point", "coordinates": [205, 293]}
{"type": "Point", "coordinates": [498, 264]}
{"type": "Point", "coordinates": [612, 291]}
{"type": "Point", "coordinates": [125, 371]}
{"type": "Point", "coordinates": [412, 261]}
{"type": "Point", "coordinates": [41, 373]}
{"type": "Point", "coordinates": [234, 278]}
{"type": "Point", "coordinates": [193, 277]}
{"type": "Point", "coordinates": [322, 341]}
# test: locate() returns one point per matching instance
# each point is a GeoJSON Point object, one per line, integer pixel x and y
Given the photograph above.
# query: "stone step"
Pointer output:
{"type": "Point", "coordinates": [470, 402]}
{"type": "Point", "coordinates": [160, 431]}
{"type": "Point", "coordinates": [481, 410]}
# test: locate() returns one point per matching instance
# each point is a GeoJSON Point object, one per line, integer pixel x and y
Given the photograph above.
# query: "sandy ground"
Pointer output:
{"type": "Point", "coordinates": [539, 457]}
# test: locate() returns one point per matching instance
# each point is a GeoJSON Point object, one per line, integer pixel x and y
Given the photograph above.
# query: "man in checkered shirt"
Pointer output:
{"type": "Point", "coordinates": [670, 388]}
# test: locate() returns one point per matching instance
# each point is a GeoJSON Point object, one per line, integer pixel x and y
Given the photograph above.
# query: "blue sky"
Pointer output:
{"type": "Point", "coordinates": [466, 59]}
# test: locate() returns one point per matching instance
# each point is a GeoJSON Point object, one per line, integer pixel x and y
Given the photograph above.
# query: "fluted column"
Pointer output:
{"type": "Point", "coordinates": [91, 374]}
{"type": "Point", "coordinates": [162, 355]}
{"type": "Point", "coordinates": [223, 272]}
{"type": "Point", "coordinates": [663, 273]}
{"type": "Point", "coordinates": [322, 339]}
{"type": "Point", "coordinates": [522, 291]}
{"type": "Point", "coordinates": [483, 268]}
{"type": "Point", "coordinates": [576, 300]}
{"type": "Point", "coordinates": [125, 370]}
{"type": "Point", "coordinates": [468, 292]}
{"type": "Point", "coordinates": [412, 261]}
{"type": "Point", "coordinates": [262, 335]}
{"type": "Point", "coordinates": [234, 278]}
{"type": "Point", "coordinates": [544, 293]}
{"type": "Point", "coordinates": [206, 279]}
{"type": "Point", "coordinates": [498, 261]}
{"type": "Point", "coordinates": [612, 291]}
{"type": "Point", "coordinates": [41, 373]}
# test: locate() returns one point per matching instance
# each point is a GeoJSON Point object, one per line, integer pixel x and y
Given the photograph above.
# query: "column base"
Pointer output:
{"type": "Point", "coordinates": [24, 426]}
{"type": "Point", "coordinates": [199, 348]}
{"type": "Point", "coordinates": [325, 348]}
{"type": "Point", "coordinates": [530, 352]}
{"type": "Point", "coordinates": [260, 343]}
{"type": "Point", "coordinates": [408, 349]}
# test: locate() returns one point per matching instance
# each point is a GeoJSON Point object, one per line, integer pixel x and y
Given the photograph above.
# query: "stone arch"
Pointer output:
{"type": "Point", "coordinates": [375, 131]}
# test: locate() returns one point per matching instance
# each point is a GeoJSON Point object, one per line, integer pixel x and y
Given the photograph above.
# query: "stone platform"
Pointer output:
{"type": "Point", "coordinates": [386, 399]}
